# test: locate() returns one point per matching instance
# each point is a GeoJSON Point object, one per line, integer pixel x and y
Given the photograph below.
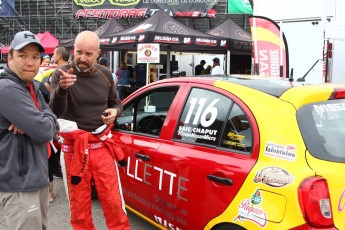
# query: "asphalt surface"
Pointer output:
{"type": "Point", "coordinates": [58, 213]}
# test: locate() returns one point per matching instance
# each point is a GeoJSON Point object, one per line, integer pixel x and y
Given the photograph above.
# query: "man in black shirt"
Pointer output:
{"type": "Point", "coordinates": [199, 68]}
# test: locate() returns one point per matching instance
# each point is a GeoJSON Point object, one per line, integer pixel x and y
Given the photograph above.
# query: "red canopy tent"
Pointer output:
{"type": "Point", "coordinates": [48, 41]}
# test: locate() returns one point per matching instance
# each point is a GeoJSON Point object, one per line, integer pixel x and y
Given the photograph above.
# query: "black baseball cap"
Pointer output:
{"type": "Point", "coordinates": [216, 60]}
{"type": "Point", "coordinates": [24, 38]}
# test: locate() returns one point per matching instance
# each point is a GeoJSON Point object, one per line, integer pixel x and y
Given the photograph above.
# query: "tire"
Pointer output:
{"type": "Point", "coordinates": [228, 227]}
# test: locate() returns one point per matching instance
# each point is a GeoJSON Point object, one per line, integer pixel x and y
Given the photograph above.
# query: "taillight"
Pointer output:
{"type": "Point", "coordinates": [315, 202]}
{"type": "Point", "coordinates": [338, 93]}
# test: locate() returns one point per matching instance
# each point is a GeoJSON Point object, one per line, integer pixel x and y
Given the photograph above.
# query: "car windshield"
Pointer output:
{"type": "Point", "coordinates": [323, 130]}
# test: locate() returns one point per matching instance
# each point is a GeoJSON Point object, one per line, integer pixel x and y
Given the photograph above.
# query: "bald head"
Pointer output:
{"type": "Point", "coordinates": [86, 50]}
{"type": "Point", "coordinates": [87, 37]}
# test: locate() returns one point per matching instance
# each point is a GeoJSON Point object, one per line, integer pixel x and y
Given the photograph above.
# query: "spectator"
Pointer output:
{"type": "Point", "coordinates": [45, 60]}
{"type": "Point", "coordinates": [60, 58]}
{"type": "Point", "coordinates": [140, 72]}
{"type": "Point", "coordinates": [122, 75]}
{"type": "Point", "coordinates": [84, 92]}
{"type": "Point", "coordinates": [208, 69]}
{"type": "Point", "coordinates": [199, 68]}
{"type": "Point", "coordinates": [216, 67]}
{"type": "Point", "coordinates": [27, 125]}
{"type": "Point", "coordinates": [4, 58]}
{"type": "Point", "coordinates": [104, 61]}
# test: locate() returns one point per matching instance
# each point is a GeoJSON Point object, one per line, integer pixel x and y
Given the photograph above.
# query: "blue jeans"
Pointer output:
{"type": "Point", "coordinates": [121, 90]}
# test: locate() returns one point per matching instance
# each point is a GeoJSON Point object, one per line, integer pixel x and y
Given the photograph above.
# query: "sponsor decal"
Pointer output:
{"type": "Point", "coordinates": [205, 41]}
{"type": "Point", "coordinates": [187, 40]}
{"type": "Point", "coordinates": [174, 28]}
{"type": "Point", "coordinates": [274, 177]}
{"type": "Point", "coordinates": [242, 34]}
{"type": "Point", "coordinates": [111, 13]}
{"type": "Point", "coordinates": [341, 202]}
{"type": "Point", "coordinates": [282, 152]}
{"type": "Point", "coordinates": [235, 136]}
{"type": "Point", "coordinates": [223, 43]}
{"type": "Point", "coordinates": [166, 39]}
{"type": "Point", "coordinates": [217, 32]}
{"type": "Point", "coordinates": [105, 40]}
{"type": "Point", "coordinates": [114, 40]}
{"type": "Point", "coordinates": [124, 39]}
{"type": "Point", "coordinates": [141, 38]}
{"type": "Point", "coordinates": [124, 2]}
{"type": "Point", "coordinates": [141, 28]}
{"type": "Point", "coordinates": [192, 14]}
{"type": "Point", "coordinates": [89, 2]}
{"type": "Point", "coordinates": [249, 210]}
{"type": "Point", "coordinates": [329, 107]}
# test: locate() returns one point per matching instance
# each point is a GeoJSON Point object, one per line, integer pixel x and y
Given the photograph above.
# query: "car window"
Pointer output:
{"type": "Point", "coordinates": [203, 117]}
{"type": "Point", "coordinates": [323, 130]}
{"type": "Point", "coordinates": [213, 119]}
{"type": "Point", "coordinates": [238, 132]}
{"type": "Point", "coordinates": [146, 113]}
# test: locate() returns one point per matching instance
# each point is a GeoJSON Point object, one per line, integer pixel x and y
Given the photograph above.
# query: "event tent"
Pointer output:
{"type": "Point", "coordinates": [171, 34]}
{"type": "Point", "coordinates": [110, 27]}
{"type": "Point", "coordinates": [239, 39]}
{"type": "Point", "coordinates": [48, 41]}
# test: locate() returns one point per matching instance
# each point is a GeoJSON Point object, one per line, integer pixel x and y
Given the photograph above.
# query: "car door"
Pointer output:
{"type": "Point", "coordinates": [137, 132]}
{"type": "Point", "coordinates": [198, 171]}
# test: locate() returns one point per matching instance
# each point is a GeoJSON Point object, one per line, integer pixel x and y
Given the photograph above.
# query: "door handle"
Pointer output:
{"type": "Point", "coordinates": [142, 157]}
{"type": "Point", "coordinates": [221, 180]}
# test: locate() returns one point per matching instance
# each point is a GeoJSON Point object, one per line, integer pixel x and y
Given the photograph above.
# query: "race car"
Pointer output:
{"type": "Point", "coordinates": [234, 152]}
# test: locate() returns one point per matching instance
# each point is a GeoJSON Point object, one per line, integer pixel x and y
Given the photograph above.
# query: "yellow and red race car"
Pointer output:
{"type": "Point", "coordinates": [235, 152]}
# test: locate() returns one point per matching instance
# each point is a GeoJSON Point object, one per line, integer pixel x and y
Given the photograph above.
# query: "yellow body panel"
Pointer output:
{"type": "Point", "coordinates": [278, 207]}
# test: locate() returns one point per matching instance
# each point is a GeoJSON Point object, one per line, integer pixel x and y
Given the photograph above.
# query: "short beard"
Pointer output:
{"type": "Point", "coordinates": [87, 70]}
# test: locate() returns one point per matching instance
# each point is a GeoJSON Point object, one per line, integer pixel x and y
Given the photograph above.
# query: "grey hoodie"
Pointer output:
{"type": "Point", "coordinates": [23, 157]}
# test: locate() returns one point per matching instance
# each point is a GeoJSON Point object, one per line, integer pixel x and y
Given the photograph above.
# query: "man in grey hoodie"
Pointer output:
{"type": "Point", "coordinates": [26, 126]}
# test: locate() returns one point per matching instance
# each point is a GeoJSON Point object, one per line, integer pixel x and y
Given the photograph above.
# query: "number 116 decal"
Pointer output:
{"type": "Point", "coordinates": [202, 113]}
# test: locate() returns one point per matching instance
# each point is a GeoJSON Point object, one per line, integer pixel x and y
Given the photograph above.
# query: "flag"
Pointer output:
{"type": "Point", "coordinates": [240, 7]}
{"type": "Point", "coordinates": [270, 50]}
{"type": "Point", "coordinates": [7, 8]}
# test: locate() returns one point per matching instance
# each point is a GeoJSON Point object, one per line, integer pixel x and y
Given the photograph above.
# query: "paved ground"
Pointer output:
{"type": "Point", "coordinates": [59, 214]}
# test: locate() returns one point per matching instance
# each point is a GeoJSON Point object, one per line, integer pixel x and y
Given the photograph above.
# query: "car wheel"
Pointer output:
{"type": "Point", "coordinates": [228, 227]}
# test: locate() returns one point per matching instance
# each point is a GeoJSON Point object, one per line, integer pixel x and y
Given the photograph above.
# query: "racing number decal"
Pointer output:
{"type": "Point", "coordinates": [202, 113]}
{"type": "Point", "coordinates": [200, 122]}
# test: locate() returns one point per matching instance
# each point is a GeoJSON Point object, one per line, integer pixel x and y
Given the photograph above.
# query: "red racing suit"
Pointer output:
{"type": "Point", "coordinates": [90, 158]}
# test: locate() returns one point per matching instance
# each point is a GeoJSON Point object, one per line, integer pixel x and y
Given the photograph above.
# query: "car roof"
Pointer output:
{"type": "Point", "coordinates": [273, 86]}
{"type": "Point", "coordinates": [295, 92]}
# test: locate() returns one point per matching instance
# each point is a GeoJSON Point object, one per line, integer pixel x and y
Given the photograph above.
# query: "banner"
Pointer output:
{"type": "Point", "coordinates": [143, 8]}
{"type": "Point", "coordinates": [240, 7]}
{"type": "Point", "coordinates": [7, 8]}
{"type": "Point", "coordinates": [270, 50]}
